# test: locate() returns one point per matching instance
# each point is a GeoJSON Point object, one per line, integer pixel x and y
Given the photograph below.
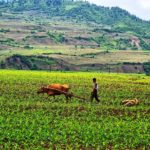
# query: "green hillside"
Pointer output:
{"type": "Point", "coordinates": [134, 32]}
{"type": "Point", "coordinates": [81, 35]}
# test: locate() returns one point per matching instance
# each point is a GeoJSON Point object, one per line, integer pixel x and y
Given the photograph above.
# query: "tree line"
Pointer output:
{"type": "Point", "coordinates": [25, 4]}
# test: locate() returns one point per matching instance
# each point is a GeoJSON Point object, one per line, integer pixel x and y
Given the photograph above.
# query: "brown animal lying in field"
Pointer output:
{"type": "Point", "coordinates": [129, 102]}
{"type": "Point", "coordinates": [56, 89]}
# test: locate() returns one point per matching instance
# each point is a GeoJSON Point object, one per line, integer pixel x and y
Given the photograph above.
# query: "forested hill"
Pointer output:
{"type": "Point", "coordinates": [114, 20]}
{"type": "Point", "coordinates": [76, 9]}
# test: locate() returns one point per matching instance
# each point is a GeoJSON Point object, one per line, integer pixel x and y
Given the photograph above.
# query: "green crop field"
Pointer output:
{"type": "Point", "coordinates": [32, 121]}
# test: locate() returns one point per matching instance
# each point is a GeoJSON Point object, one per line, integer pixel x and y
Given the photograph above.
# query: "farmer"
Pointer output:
{"type": "Point", "coordinates": [95, 90]}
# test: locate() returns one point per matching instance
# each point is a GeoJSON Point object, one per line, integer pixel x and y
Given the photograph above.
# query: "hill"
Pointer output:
{"type": "Point", "coordinates": [122, 29]}
{"type": "Point", "coordinates": [79, 30]}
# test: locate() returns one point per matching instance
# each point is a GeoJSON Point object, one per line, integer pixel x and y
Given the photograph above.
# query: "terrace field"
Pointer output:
{"type": "Point", "coordinates": [31, 121]}
{"type": "Point", "coordinates": [70, 44]}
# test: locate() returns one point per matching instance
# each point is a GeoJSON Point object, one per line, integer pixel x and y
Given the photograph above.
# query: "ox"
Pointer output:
{"type": "Point", "coordinates": [56, 89]}
{"type": "Point", "coordinates": [132, 102]}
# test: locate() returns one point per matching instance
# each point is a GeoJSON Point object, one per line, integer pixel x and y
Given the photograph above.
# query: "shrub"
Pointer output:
{"type": "Point", "coordinates": [4, 30]}
{"type": "Point", "coordinates": [146, 66]}
{"type": "Point", "coordinates": [56, 37]}
{"type": "Point", "coordinates": [28, 47]}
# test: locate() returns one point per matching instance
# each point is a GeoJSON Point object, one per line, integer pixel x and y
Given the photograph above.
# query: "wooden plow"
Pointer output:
{"type": "Point", "coordinates": [67, 94]}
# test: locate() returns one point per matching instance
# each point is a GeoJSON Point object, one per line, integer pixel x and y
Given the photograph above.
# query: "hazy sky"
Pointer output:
{"type": "Point", "coordinates": [140, 8]}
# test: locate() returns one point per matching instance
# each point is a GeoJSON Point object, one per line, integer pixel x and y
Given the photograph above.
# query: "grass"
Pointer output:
{"type": "Point", "coordinates": [31, 121]}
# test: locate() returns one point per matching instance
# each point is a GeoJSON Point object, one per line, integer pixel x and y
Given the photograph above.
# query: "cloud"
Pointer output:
{"type": "Point", "coordinates": [145, 3]}
{"type": "Point", "coordinates": [140, 8]}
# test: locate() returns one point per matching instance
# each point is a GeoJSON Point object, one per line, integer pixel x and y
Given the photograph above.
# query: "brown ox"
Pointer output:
{"type": "Point", "coordinates": [56, 89]}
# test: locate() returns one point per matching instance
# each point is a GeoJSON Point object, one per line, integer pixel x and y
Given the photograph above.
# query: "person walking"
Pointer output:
{"type": "Point", "coordinates": [94, 94]}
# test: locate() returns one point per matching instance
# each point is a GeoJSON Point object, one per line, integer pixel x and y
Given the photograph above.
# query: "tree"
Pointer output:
{"type": "Point", "coordinates": [13, 3]}
{"type": "Point", "coordinates": [36, 2]}
{"type": "Point", "coordinates": [21, 2]}
{"type": "Point", "coordinates": [48, 2]}
{"type": "Point", "coordinates": [57, 2]}
{"type": "Point", "coordinates": [2, 2]}
{"type": "Point", "coordinates": [146, 66]}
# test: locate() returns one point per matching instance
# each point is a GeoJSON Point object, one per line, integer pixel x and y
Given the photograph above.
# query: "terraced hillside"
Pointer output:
{"type": "Point", "coordinates": [76, 34]}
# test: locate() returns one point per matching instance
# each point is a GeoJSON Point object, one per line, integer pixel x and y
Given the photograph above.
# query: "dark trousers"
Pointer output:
{"type": "Point", "coordinates": [94, 95]}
